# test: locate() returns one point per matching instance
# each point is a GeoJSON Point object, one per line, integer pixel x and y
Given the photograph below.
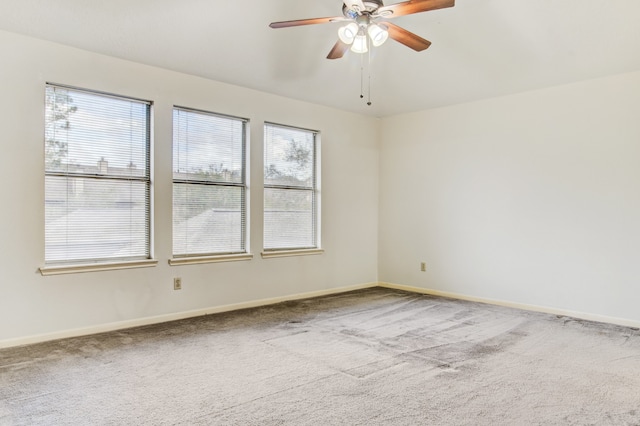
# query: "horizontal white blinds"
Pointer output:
{"type": "Point", "coordinates": [97, 177]}
{"type": "Point", "coordinates": [290, 194]}
{"type": "Point", "coordinates": [209, 191]}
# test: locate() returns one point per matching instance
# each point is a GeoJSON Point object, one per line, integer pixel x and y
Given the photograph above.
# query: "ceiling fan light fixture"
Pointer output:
{"type": "Point", "coordinates": [348, 33]}
{"type": "Point", "coordinates": [378, 34]}
{"type": "Point", "coordinates": [360, 44]}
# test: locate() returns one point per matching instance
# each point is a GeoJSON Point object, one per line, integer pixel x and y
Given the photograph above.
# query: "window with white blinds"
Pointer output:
{"type": "Point", "coordinates": [97, 177]}
{"type": "Point", "coordinates": [209, 183]}
{"type": "Point", "coordinates": [290, 188]}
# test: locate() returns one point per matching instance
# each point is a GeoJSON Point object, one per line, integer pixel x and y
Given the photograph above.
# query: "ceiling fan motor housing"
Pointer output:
{"type": "Point", "coordinates": [370, 7]}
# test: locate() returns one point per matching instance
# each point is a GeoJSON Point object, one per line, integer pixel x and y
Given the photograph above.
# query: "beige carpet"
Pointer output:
{"type": "Point", "coordinates": [370, 357]}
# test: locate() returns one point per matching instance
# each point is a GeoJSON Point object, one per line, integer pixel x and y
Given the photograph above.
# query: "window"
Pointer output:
{"type": "Point", "coordinates": [209, 184]}
{"type": "Point", "coordinates": [97, 177]}
{"type": "Point", "coordinates": [290, 188]}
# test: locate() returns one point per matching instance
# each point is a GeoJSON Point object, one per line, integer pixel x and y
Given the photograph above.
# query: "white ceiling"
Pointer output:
{"type": "Point", "coordinates": [481, 48]}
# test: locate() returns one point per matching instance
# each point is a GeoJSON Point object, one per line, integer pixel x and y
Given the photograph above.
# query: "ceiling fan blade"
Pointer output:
{"type": "Point", "coordinates": [413, 6]}
{"type": "Point", "coordinates": [298, 22]}
{"type": "Point", "coordinates": [405, 37]}
{"type": "Point", "coordinates": [338, 50]}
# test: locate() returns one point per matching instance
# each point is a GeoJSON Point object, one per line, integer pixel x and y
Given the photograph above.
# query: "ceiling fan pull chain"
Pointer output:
{"type": "Point", "coordinates": [369, 75]}
{"type": "Point", "coordinates": [361, 76]}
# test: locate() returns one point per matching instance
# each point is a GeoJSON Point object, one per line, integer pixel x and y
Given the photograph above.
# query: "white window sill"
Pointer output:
{"type": "Point", "coordinates": [75, 269]}
{"type": "Point", "coordinates": [210, 259]}
{"type": "Point", "coordinates": [287, 253]}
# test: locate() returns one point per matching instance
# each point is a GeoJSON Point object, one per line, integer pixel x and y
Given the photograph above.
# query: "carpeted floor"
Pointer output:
{"type": "Point", "coordinates": [369, 357]}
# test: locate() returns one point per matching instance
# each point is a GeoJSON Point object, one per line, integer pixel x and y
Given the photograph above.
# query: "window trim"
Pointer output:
{"type": "Point", "coordinates": [199, 258]}
{"type": "Point", "coordinates": [94, 267]}
{"type": "Point", "coordinates": [193, 260]}
{"type": "Point", "coordinates": [271, 254]}
{"type": "Point", "coordinates": [268, 253]}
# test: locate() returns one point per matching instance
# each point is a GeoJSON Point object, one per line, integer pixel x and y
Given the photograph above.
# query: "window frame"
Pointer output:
{"type": "Point", "coordinates": [55, 267]}
{"type": "Point", "coordinates": [316, 248]}
{"type": "Point", "coordinates": [213, 257]}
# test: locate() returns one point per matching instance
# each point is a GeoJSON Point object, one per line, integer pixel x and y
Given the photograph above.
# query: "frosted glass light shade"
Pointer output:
{"type": "Point", "coordinates": [378, 34]}
{"type": "Point", "coordinates": [348, 33]}
{"type": "Point", "coordinates": [360, 44]}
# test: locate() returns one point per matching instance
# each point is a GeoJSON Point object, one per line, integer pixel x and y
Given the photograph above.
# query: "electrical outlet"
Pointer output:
{"type": "Point", "coordinates": [423, 266]}
{"type": "Point", "coordinates": [177, 283]}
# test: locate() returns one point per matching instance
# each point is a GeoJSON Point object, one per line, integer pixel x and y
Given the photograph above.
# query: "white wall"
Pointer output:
{"type": "Point", "coordinates": [31, 304]}
{"type": "Point", "coordinates": [532, 198]}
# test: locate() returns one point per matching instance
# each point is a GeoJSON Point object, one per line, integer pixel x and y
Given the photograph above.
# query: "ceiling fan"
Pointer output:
{"type": "Point", "coordinates": [367, 22]}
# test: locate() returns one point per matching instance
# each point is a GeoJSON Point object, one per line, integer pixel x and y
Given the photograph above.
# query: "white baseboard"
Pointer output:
{"type": "Point", "coordinates": [524, 306]}
{"type": "Point", "coordinates": [120, 325]}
